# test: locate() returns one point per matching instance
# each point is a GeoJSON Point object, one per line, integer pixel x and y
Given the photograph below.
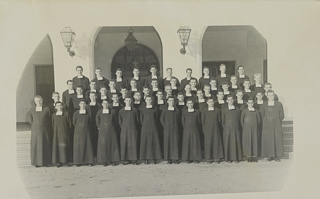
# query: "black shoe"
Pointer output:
{"type": "Point", "coordinates": [270, 159]}
{"type": "Point", "coordinates": [196, 162]}
{"type": "Point", "coordinates": [277, 160]}
{"type": "Point", "coordinates": [210, 162]}
{"type": "Point", "coordinates": [134, 162]}
{"type": "Point", "coordinates": [236, 161]}
{"type": "Point", "coordinates": [169, 162]}
{"type": "Point", "coordinates": [189, 161]}
{"type": "Point", "coordinates": [125, 163]}
{"type": "Point", "coordinates": [59, 165]}
{"type": "Point", "coordinates": [79, 165]}
{"type": "Point", "coordinates": [155, 162]}
{"type": "Point", "coordinates": [113, 164]}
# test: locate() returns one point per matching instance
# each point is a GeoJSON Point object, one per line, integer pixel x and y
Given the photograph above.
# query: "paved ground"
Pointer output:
{"type": "Point", "coordinates": [154, 180]}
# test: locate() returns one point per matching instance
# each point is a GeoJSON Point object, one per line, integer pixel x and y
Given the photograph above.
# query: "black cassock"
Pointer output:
{"type": "Point", "coordinates": [108, 148]}
{"type": "Point", "coordinates": [61, 145]}
{"type": "Point", "coordinates": [93, 110]}
{"type": "Point", "coordinates": [272, 134]}
{"type": "Point", "coordinates": [170, 122]}
{"type": "Point", "coordinates": [129, 124]}
{"type": "Point", "coordinates": [41, 136]}
{"type": "Point", "coordinates": [84, 82]}
{"type": "Point", "coordinates": [213, 147]}
{"type": "Point", "coordinates": [191, 144]}
{"type": "Point", "coordinates": [250, 121]}
{"type": "Point", "coordinates": [150, 148]}
{"type": "Point", "coordinates": [231, 134]}
{"type": "Point", "coordinates": [82, 144]}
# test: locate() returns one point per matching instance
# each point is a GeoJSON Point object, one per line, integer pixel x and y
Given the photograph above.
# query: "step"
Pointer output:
{"type": "Point", "coordinates": [24, 134]}
{"type": "Point", "coordinates": [287, 134]}
{"type": "Point", "coordinates": [288, 148]}
{"type": "Point", "coordinates": [24, 162]}
{"type": "Point", "coordinates": [287, 141]}
{"type": "Point", "coordinates": [23, 147]}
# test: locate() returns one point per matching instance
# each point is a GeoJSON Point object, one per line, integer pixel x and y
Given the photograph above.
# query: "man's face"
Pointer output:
{"type": "Point", "coordinates": [213, 83]}
{"type": "Point", "coordinates": [70, 85]}
{"type": "Point", "coordinates": [136, 72]}
{"type": "Point", "coordinates": [189, 104]}
{"type": "Point", "coordinates": [225, 87]}
{"type": "Point", "coordinates": [169, 72]}
{"type": "Point", "coordinates": [187, 88]}
{"type": "Point", "coordinates": [246, 84]}
{"type": "Point", "coordinates": [115, 98]}
{"type": "Point", "coordinates": [124, 92]}
{"type": "Point", "coordinates": [189, 73]}
{"type": "Point", "coordinates": [257, 79]}
{"type": "Point", "coordinates": [105, 104]}
{"type": "Point", "coordinates": [170, 102]}
{"type": "Point", "coordinates": [58, 107]}
{"type": "Point", "coordinates": [206, 89]}
{"type": "Point", "coordinates": [239, 95]}
{"type": "Point", "coordinates": [250, 103]}
{"type": "Point", "coordinates": [38, 101]}
{"type": "Point", "coordinates": [148, 100]}
{"type": "Point", "coordinates": [127, 101]}
{"type": "Point", "coordinates": [259, 96]}
{"type": "Point", "coordinates": [200, 94]}
{"type": "Point", "coordinates": [82, 105]}
{"type": "Point", "coordinates": [210, 103]}
{"type": "Point", "coordinates": [79, 91]}
{"type": "Point", "coordinates": [137, 96]}
{"type": "Point", "coordinates": [159, 95]}
{"type": "Point", "coordinates": [79, 71]}
{"type": "Point", "coordinates": [180, 98]}
{"type": "Point", "coordinates": [223, 69]}
{"type": "Point", "coordinates": [168, 89]}
{"type": "Point", "coordinates": [93, 97]}
{"type": "Point", "coordinates": [93, 85]}
{"type": "Point", "coordinates": [267, 87]}
{"type": "Point", "coordinates": [103, 91]}
{"type": "Point", "coordinates": [173, 82]}
{"type": "Point", "coordinates": [206, 72]}
{"type": "Point", "coordinates": [98, 73]}
{"type": "Point", "coordinates": [119, 73]}
{"type": "Point", "coordinates": [153, 71]}
{"type": "Point", "coordinates": [146, 91]}
{"type": "Point", "coordinates": [220, 95]}
{"type": "Point", "coordinates": [233, 80]}
{"type": "Point", "coordinates": [154, 84]}
{"type": "Point", "coordinates": [270, 96]}
{"type": "Point", "coordinates": [193, 83]}
{"type": "Point", "coordinates": [112, 85]}
{"type": "Point", "coordinates": [133, 84]}
{"type": "Point", "coordinates": [56, 97]}
{"type": "Point", "coordinates": [241, 70]}
{"type": "Point", "coordinates": [230, 101]}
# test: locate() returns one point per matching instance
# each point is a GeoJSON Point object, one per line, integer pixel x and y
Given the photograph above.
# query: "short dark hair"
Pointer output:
{"type": "Point", "coordinates": [79, 67]}
{"type": "Point", "coordinates": [188, 69]}
{"type": "Point", "coordinates": [69, 81]}
{"type": "Point", "coordinates": [240, 67]}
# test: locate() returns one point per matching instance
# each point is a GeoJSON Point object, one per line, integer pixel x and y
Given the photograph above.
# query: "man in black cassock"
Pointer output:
{"type": "Point", "coordinates": [148, 80]}
{"type": "Point", "coordinates": [223, 77]}
{"type": "Point", "coordinates": [205, 79]}
{"type": "Point", "coordinates": [81, 80]}
{"type": "Point", "coordinates": [100, 80]}
{"type": "Point", "coordinates": [186, 80]}
{"type": "Point", "coordinates": [241, 76]}
{"type": "Point", "coordinates": [67, 95]}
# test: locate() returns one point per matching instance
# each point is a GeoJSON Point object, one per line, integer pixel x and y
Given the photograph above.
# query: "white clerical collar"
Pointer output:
{"type": "Point", "coordinates": [270, 103]}
{"type": "Point", "coordinates": [134, 89]}
{"type": "Point", "coordinates": [231, 107]}
{"type": "Point", "coordinates": [188, 94]}
{"type": "Point", "coordinates": [213, 88]}
{"type": "Point", "coordinates": [137, 102]}
{"type": "Point", "coordinates": [181, 103]}
{"type": "Point", "coordinates": [190, 110]}
{"type": "Point", "coordinates": [205, 77]}
{"type": "Point", "coordinates": [188, 78]}
{"type": "Point", "coordinates": [92, 103]}
{"type": "Point", "coordinates": [160, 102]}
{"type": "Point", "coordinates": [38, 108]}
{"type": "Point", "coordinates": [234, 86]}
{"type": "Point", "coordinates": [71, 91]}
{"type": "Point", "coordinates": [247, 90]}
{"type": "Point", "coordinates": [148, 106]}
{"type": "Point", "coordinates": [251, 109]}
{"type": "Point", "coordinates": [259, 101]}
{"type": "Point", "coordinates": [171, 108]}
{"type": "Point", "coordinates": [100, 78]}
{"type": "Point", "coordinates": [82, 111]}
{"type": "Point", "coordinates": [93, 90]}
{"type": "Point", "coordinates": [115, 104]}
{"type": "Point", "coordinates": [240, 101]}
{"type": "Point", "coordinates": [174, 87]}
{"type": "Point", "coordinates": [223, 75]}
{"type": "Point", "coordinates": [119, 79]}
{"type": "Point", "coordinates": [221, 101]}
{"type": "Point", "coordinates": [80, 76]}
{"type": "Point", "coordinates": [103, 97]}
{"type": "Point", "coordinates": [105, 111]}
{"type": "Point", "coordinates": [242, 76]}
{"type": "Point", "coordinates": [258, 85]}
{"type": "Point", "coordinates": [154, 77]}
{"type": "Point", "coordinates": [207, 95]}
{"type": "Point", "coordinates": [79, 96]}
{"type": "Point", "coordinates": [113, 90]}
{"type": "Point", "coordinates": [127, 108]}
{"type": "Point", "coordinates": [59, 113]}
{"type": "Point", "coordinates": [201, 100]}
{"type": "Point", "coordinates": [210, 108]}
{"type": "Point", "coordinates": [154, 89]}
{"type": "Point", "coordinates": [136, 78]}
{"type": "Point", "coordinates": [226, 92]}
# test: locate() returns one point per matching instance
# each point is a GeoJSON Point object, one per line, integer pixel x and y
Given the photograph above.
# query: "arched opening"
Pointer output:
{"type": "Point", "coordinates": [110, 51]}
{"type": "Point", "coordinates": [142, 57]}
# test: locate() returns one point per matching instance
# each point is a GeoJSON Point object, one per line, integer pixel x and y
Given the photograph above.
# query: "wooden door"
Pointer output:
{"type": "Point", "coordinates": [44, 82]}
{"type": "Point", "coordinates": [214, 67]}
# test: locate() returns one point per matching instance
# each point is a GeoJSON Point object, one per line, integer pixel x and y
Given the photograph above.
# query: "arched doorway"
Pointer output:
{"type": "Point", "coordinates": [142, 57]}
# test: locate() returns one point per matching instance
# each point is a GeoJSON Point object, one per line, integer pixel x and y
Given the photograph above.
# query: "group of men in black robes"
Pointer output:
{"type": "Point", "coordinates": [152, 118]}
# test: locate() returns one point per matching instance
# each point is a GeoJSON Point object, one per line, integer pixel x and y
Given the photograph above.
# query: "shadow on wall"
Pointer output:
{"type": "Point", "coordinates": [81, 44]}
{"type": "Point", "coordinates": [193, 45]}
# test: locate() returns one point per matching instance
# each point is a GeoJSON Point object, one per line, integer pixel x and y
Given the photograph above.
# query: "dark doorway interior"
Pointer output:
{"type": "Point", "coordinates": [142, 56]}
{"type": "Point", "coordinates": [215, 65]}
{"type": "Point", "coordinates": [44, 82]}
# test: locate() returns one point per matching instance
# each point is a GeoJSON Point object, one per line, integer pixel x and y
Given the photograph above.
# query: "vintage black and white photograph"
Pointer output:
{"type": "Point", "coordinates": [143, 99]}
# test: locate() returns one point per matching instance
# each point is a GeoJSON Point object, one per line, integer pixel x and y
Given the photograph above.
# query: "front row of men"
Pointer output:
{"type": "Point", "coordinates": [171, 128]}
